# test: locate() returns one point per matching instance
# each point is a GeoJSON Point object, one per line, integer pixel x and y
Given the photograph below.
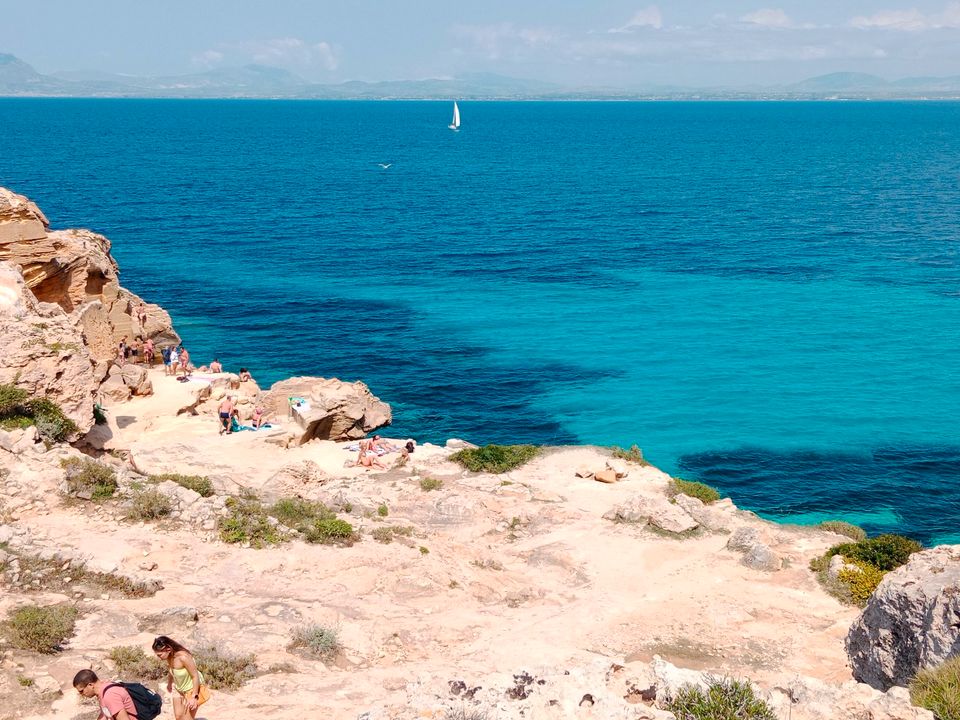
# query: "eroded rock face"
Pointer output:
{"type": "Point", "coordinates": [74, 270]}
{"type": "Point", "coordinates": [333, 409]}
{"type": "Point", "coordinates": [657, 511]}
{"type": "Point", "coordinates": [43, 352]}
{"type": "Point", "coordinates": [912, 621]}
{"type": "Point", "coordinates": [63, 313]}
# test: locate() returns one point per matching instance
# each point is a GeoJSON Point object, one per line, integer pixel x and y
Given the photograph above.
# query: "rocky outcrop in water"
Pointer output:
{"type": "Point", "coordinates": [911, 621]}
{"type": "Point", "coordinates": [332, 409]}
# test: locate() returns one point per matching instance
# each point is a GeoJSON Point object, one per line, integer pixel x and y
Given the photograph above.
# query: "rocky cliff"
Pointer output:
{"type": "Point", "coordinates": [63, 310]}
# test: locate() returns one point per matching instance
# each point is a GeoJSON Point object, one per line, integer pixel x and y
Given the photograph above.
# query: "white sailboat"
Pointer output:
{"type": "Point", "coordinates": [455, 124]}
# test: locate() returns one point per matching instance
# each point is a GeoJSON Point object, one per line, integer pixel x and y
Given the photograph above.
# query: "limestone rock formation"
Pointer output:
{"type": "Point", "coordinates": [912, 621]}
{"type": "Point", "coordinates": [330, 409]}
{"type": "Point", "coordinates": [74, 269]}
{"type": "Point", "coordinates": [43, 352]}
{"type": "Point", "coordinates": [657, 511]}
{"type": "Point", "coordinates": [63, 313]}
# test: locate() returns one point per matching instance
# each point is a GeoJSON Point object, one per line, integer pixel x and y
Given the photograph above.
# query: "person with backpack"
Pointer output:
{"type": "Point", "coordinates": [184, 677]}
{"type": "Point", "coordinates": [118, 701]}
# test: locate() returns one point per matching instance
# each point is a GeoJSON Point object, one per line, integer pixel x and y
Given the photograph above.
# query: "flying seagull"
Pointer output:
{"type": "Point", "coordinates": [384, 165]}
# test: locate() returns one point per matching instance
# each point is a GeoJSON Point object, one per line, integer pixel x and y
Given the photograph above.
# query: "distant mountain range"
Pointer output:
{"type": "Point", "coordinates": [17, 78]}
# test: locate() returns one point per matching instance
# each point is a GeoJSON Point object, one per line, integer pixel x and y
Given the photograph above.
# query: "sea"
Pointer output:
{"type": "Point", "coordinates": [763, 296]}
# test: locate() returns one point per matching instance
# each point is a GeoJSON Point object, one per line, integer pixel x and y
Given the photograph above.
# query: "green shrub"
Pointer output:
{"type": "Point", "coordinates": [724, 699]}
{"type": "Point", "coordinates": [316, 640]}
{"type": "Point", "coordinates": [149, 505]}
{"type": "Point", "coordinates": [854, 532]}
{"type": "Point", "coordinates": [386, 533]}
{"type": "Point", "coordinates": [18, 409]}
{"type": "Point", "coordinates": [248, 522]}
{"type": "Point", "coordinates": [224, 671]}
{"type": "Point", "coordinates": [330, 531]}
{"type": "Point", "coordinates": [300, 514]}
{"type": "Point", "coordinates": [860, 582]}
{"type": "Point", "coordinates": [634, 455]}
{"type": "Point", "coordinates": [199, 484]}
{"type": "Point", "coordinates": [133, 663]}
{"type": "Point", "coordinates": [89, 478]}
{"type": "Point", "coordinates": [884, 552]}
{"type": "Point", "coordinates": [12, 399]}
{"type": "Point", "coordinates": [429, 483]}
{"type": "Point", "coordinates": [41, 629]}
{"type": "Point", "coordinates": [51, 423]}
{"type": "Point", "coordinates": [938, 689]}
{"type": "Point", "coordinates": [383, 510]}
{"type": "Point", "coordinates": [495, 458]}
{"type": "Point", "coordinates": [698, 490]}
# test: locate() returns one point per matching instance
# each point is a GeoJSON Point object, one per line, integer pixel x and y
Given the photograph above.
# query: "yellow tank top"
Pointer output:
{"type": "Point", "coordinates": [182, 680]}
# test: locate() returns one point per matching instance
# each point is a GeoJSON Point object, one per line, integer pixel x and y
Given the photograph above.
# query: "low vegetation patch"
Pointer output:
{"type": "Point", "coordinates": [132, 663]}
{"type": "Point", "coordinates": [248, 522]}
{"type": "Point", "coordinates": [89, 480]}
{"type": "Point", "coordinates": [18, 409]}
{"type": "Point", "coordinates": [383, 510]}
{"type": "Point", "coordinates": [854, 532]}
{"type": "Point", "coordinates": [869, 559]}
{"type": "Point", "coordinates": [698, 490]}
{"type": "Point", "coordinates": [225, 671]}
{"type": "Point", "coordinates": [149, 504]}
{"type": "Point", "coordinates": [633, 455]}
{"type": "Point", "coordinates": [317, 641]}
{"type": "Point", "coordinates": [724, 699]}
{"type": "Point", "coordinates": [48, 575]}
{"type": "Point", "coordinates": [938, 689]}
{"type": "Point", "coordinates": [387, 533]}
{"type": "Point", "coordinates": [198, 483]}
{"type": "Point", "coordinates": [299, 514]}
{"type": "Point", "coordinates": [331, 531]}
{"type": "Point", "coordinates": [430, 483]}
{"type": "Point", "coordinates": [41, 629]}
{"type": "Point", "coordinates": [495, 458]}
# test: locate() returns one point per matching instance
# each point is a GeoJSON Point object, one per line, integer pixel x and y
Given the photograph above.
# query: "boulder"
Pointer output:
{"type": "Point", "coordinates": [657, 511]}
{"type": "Point", "coordinates": [327, 409]}
{"type": "Point", "coordinates": [912, 620]}
{"type": "Point", "coordinates": [605, 476]}
{"type": "Point", "coordinates": [619, 467]}
{"type": "Point", "coordinates": [114, 389]}
{"type": "Point", "coordinates": [136, 378]}
{"type": "Point", "coordinates": [757, 554]}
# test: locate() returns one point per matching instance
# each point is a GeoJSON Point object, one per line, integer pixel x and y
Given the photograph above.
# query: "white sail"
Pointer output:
{"type": "Point", "coordinates": [455, 125]}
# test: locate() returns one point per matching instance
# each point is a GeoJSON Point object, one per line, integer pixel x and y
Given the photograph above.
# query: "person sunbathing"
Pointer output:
{"type": "Point", "coordinates": [258, 418]}
{"type": "Point", "coordinates": [369, 459]}
{"type": "Point", "coordinates": [215, 366]}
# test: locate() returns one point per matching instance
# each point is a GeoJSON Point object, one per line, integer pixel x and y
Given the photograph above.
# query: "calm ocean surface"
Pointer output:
{"type": "Point", "coordinates": [763, 296]}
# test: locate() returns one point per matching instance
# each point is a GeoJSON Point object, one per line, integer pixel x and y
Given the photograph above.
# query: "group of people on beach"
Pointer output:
{"type": "Point", "coordinates": [128, 701]}
{"type": "Point", "coordinates": [370, 451]}
{"type": "Point", "coordinates": [230, 416]}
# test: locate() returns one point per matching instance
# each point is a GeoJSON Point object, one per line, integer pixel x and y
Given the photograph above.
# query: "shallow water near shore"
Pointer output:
{"type": "Point", "coordinates": [765, 297]}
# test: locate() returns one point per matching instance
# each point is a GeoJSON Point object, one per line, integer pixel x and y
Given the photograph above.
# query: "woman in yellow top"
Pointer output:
{"type": "Point", "coordinates": [184, 677]}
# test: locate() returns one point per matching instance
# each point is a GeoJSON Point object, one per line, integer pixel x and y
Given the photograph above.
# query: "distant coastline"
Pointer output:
{"type": "Point", "coordinates": [262, 82]}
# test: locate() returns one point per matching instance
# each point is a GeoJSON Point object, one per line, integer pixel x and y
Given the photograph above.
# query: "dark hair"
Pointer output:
{"type": "Point", "coordinates": [244, 370]}
{"type": "Point", "coordinates": [164, 643]}
{"type": "Point", "coordinates": [84, 678]}
{"type": "Point", "coordinates": [409, 446]}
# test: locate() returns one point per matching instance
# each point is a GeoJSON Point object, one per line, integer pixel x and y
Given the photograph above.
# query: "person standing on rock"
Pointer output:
{"type": "Point", "coordinates": [184, 361]}
{"type": "Point", "coordinates": [148, 351]}
{"type": "Point", "coordinates": [226, 412]}
{"type": "Point", "coordinates": [174, 361]}
{"type": "Point", "coordinates": [141, 316]}
{"type": "Point", "coordinates": [122, 351]}
{"type": "Point", "coordinates": [184, 677]}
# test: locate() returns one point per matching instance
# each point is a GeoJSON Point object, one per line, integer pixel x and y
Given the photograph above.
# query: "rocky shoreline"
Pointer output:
{"type": "Point", "coordinates": [538, 592]}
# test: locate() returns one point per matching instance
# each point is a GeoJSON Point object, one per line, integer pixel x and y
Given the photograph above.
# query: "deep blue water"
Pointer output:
{"type": "Point", "coordinates": [763, 296]}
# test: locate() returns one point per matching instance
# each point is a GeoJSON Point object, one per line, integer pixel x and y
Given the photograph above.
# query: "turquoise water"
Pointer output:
{"type": "Point", "coordinates": [763, 296]}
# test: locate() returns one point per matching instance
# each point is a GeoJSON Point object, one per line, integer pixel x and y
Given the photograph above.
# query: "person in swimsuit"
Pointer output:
{"type": "Point", "coordinates": [244, 375]}
{"type": "Point", "coordinates": [215, 366]}
{"type": "Point", "coordinates": [183, 676]}
{"type": "Point", "coordinates": [184, 361]}
{"type": "Point", "coordinates": [148, 351]}
{"type": "Point", "coordinates": [226, 412]}
{"type": "Point", "coordinates": [257, 418]}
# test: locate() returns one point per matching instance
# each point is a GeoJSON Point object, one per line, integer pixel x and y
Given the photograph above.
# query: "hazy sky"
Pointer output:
{"type": "Point", "coordinates": [603, 42]}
